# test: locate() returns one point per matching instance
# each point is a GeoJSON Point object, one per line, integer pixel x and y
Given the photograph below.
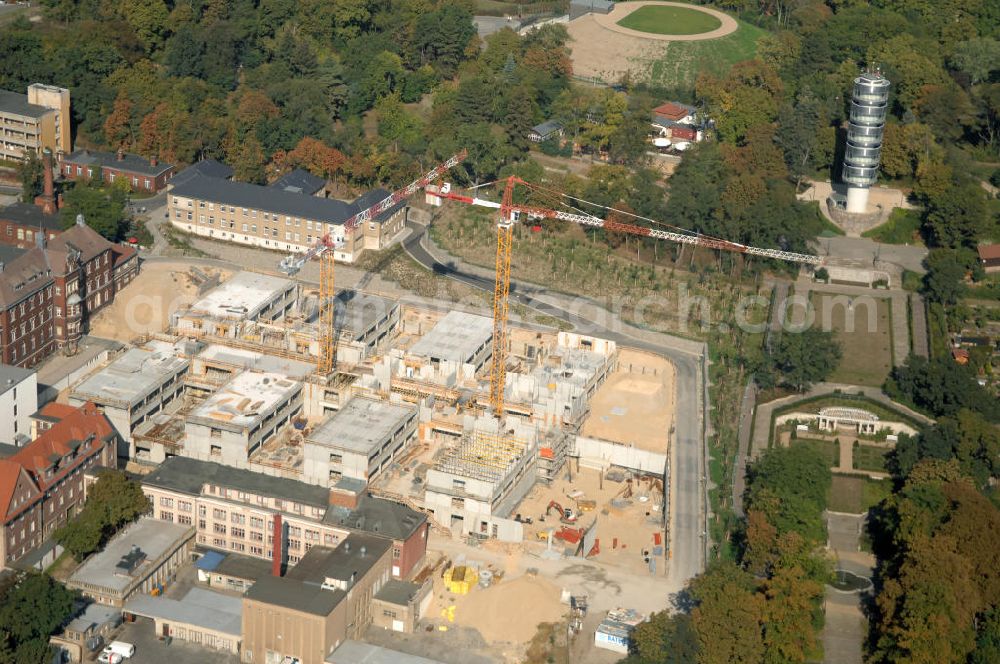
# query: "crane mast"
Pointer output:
{"type": "Point", "coordinates": [508, 214]}
{"type": "Point", "coordinates": [325, 246]}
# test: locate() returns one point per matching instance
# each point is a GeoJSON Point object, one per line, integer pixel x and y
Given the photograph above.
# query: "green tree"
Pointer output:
{"type": "Point", "coordinates": [103, 208]}
{"type": "Point", "coordinates": [727, 616]}
{"type": "Point", "coordinates": [944, 281]}
{"type": "Point", "coordinates": [112, 502]}
{"type": "Point", "coordinates": [803, 358]}
{"type": "Point", "coordinates": [978, 58]}
{"type": "Point", "coordinates": [32, 176]}
{"type": "Point", "coordinates": [940, 387]}
{"type": "Point", "coordinates": [666, 638]}
{"type": "Point", "coordinates": [788, 485]}
{"type": "Point", "coordinates": [30, 612]}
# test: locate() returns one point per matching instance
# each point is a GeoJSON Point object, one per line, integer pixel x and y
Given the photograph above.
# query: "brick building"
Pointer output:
{"type": "Point", "coordinates": [234, 510]}
{"type": "Point", "coordinates": [48, 292]}
{"type": "Point", "coordinates": [42, 485]}
{"type": "Point", "coordinates": [323, 601]}
{"type": "Point", "coordinates": [141, 174]}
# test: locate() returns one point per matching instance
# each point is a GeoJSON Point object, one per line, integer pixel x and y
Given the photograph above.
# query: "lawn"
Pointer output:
{"type": "Point", "coordinates": [902, 227]}
{"type": "Point", "coordinates": [670, 21]}
{"type": "Point", "coordinates": [865, 341]}
{"type": "Point", "coordinates": [855, 495]}
{"type": "Point", "coordinates": [870, 457]}
{"type": "Point", "coordinates": [829, 449]}
{"type": "Point", "coordinates": [680, 62]}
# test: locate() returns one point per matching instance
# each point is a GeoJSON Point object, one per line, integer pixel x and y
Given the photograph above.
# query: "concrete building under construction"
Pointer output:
{"type": "Point", "coordinates": [405, 415]}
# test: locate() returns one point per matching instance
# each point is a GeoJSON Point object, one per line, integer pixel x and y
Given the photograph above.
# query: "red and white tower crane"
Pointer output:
{"type": "Point", "coordinates": [510, 213]}
{"type": "Point", "coordinates": [325, 246]}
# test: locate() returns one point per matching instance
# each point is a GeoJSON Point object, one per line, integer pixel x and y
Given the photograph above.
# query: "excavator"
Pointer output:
{"type": "Point", "coordinates": [566, 515]}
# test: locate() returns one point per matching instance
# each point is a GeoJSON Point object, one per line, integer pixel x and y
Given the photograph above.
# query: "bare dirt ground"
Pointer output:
{"type": "Point", "coordinates": [635, 406]}
{"type": "Point", "coordinates": [145, 305]}
{"type": "Point", "coordinates": [506, 615]}
{"type": "Point", "coordinates": [633, 525]}
{"type": "Point", "coordinates": [602, 49]}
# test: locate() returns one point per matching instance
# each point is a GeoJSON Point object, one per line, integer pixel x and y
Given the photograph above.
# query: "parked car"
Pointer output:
{"type": "Point", "coordinates": [110, 658]}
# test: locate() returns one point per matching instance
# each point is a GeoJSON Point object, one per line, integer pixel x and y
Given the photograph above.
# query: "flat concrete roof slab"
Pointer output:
{"type": "Point", "coordinates": [153, 536]}
{"type": "Point", "coordinates": [361, 425]}
{"type": "Point", "coordinates": [243, 401]}
{"type": "Point", "coordinates": [457, 337]}
{"type": "Point", "coordinates": [211, 610]}
{"type": "Point", "coordinates": [242, 296]}
{"type": "Point", "coordinates": [130, 377]}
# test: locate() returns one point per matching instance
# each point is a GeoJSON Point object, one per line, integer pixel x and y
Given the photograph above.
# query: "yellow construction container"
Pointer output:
{"type": "Point", "coordinates": [460, 580]}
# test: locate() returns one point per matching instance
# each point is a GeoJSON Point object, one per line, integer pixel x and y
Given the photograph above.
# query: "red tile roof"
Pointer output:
{"type": "Point", "coordinates": [56, 411]}
{"type": "Point", "coordinates": [671, 111]}
{"type": "Point", "coordinates": [37, 456]}
{"type": "Point", "coordinates": [989, 251]}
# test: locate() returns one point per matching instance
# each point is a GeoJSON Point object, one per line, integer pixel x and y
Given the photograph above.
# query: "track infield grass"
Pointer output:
{"type": "Point", "coordinates": [670, 20]}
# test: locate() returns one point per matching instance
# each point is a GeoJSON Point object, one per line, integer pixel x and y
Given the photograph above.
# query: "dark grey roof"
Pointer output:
{"type": "Point", "coordinates": [270, 199]}
{"type": "Point", "coordinates": [206, 167]}
{"type": "Point", "coordinates": [27, 214]}
{"type": "Point", "coordinates": [296, 595]}
{"type": "Point", "coordinates": [10, 376]}
{"type": "Point", "coordinates": [9, 253]}
{"type": "Point", "coordinates": [355, 556]}
{"type": "Point", "coordinates": [547, 127]}
{"type": "Point", "coordinates": [189, 475]}
{"type": "Point", "coordinates": [300, 182]}
{"type": "Point", "coordinates": [242, 194]}
{"type": "Point", "coordinates": [378, 517]}
{"type": "Point", "coordinates": [365, 201]}
{"type": "Point", "coordinates": [398, 592]}
{"type": "Point", "coordinates": [16, 103]}
{"type": "Point", "coordinates": [131, 163]}
{"type": "Point", "coordinates": [7, 450]}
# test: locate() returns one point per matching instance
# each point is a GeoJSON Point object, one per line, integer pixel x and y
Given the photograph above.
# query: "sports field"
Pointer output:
{"type": "Point", "coordinates": [665, 20]}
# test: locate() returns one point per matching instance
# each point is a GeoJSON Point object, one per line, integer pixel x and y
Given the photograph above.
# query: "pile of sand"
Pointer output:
{"type": "Point", "coordinates": [511, 610]}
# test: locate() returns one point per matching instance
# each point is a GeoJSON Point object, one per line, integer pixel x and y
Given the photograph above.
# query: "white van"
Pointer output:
{"type": "Point", "coordinates": [126, 650]}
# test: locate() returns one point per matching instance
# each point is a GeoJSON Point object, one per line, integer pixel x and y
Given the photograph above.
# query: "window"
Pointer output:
{"type": "Point", "coordinates": [256, 537]}
{"type": "Point", "coordinates": [166, 502]}
{"type": "Point", "coordinates": [219, 528]}
{"type": "Point", "coordinates": [238, 518]}
{"type": "Point", "coordinates": [183, 506]}
{"type": "Point", "coordinates": [219, 514]}
{"type": "Point", "coordinates": [389, 614]}
{"type": "Point", "coordinates": [184, 519]}
{"type": "Point", "coordinates": [215, 433]}
{"type": "Point", "coordinates": [164, 516]}
{"type": "Point", "coordinates": [336, 458]}
{"type": "Point", "coordinates": [215, 451]}
{"type": "Point", "coordinates": [397, 552]}
{"type": "Point", "coordinates": [238, 532]}
{"type": "Point", "coordinates": [294, 544]}
{"type": "Point", "coordinates": [256, 522]}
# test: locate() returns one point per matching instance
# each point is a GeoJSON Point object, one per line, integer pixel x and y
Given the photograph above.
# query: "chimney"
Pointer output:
{"type": "Point", "coordinates": [121, 154]}
{"type": "Point", "coordinates": [278, 547]}
{"type": "Point", "coordinates": [80, 221]}
{"type": "Point", "coordinates": [152, 161]}
{"type": "Point", "coordinates": [47, 201]}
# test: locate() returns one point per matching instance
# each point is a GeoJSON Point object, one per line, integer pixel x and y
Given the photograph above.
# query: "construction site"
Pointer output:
{"type": "Point", "coordinates": [234, 377]}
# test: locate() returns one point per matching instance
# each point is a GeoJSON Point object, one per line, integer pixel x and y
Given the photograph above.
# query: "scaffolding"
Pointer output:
{"type": "Point", "coordinates": [483, 456]}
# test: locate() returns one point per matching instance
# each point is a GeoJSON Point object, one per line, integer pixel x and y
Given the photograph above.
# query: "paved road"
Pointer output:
{"type": "Point", "coordinates": [863, 249]}
{"type": "Point", "coordinates": [687, 534]}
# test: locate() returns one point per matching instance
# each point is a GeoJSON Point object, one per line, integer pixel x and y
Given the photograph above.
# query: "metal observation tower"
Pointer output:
{"type": "Point", "coordinates": [864, 137]}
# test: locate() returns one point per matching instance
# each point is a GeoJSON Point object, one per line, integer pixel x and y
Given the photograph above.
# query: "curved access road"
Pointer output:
{"type": "Point", "coordinates": [688, 503]}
